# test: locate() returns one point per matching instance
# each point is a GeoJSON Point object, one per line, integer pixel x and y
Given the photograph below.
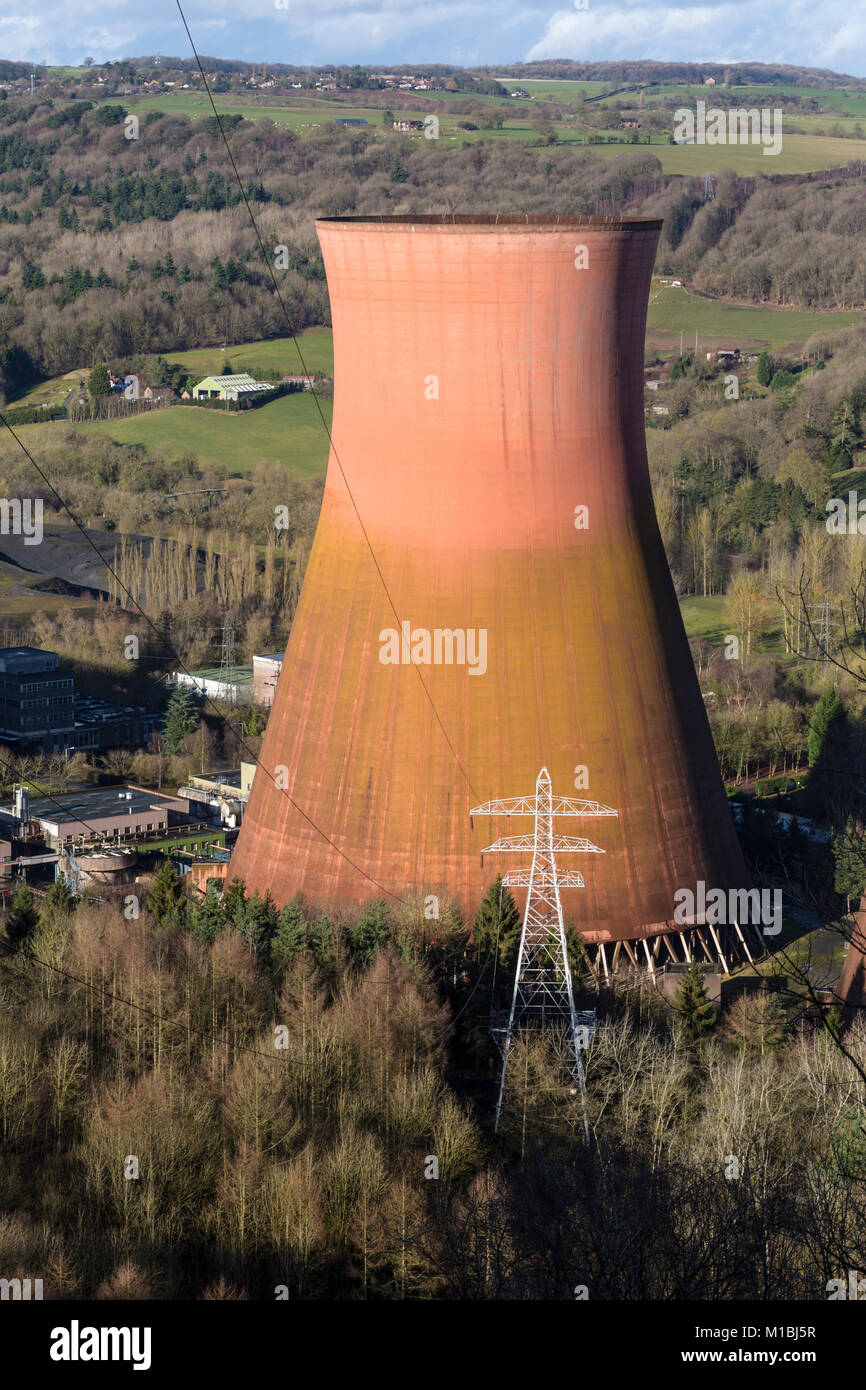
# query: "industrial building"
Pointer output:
{"type": "Point", "coordinates": [39, 708]}
{"type": "Point", "coordinates": [103, 813]}
{"type": "Point", "coordinates": [254, 683]}
{"type": "Point", "coordinates": [235, 683]}
{"type": "Point", "coordinates": [488, 419]}
{"type": "Point", "coordinates": [219, 796]}
{"type": "Point", "coordinates": [99, 724]}
{"type": "Point", "coordinates": [266, 673]}
{"type": "Point", "coordinates": [37, 698]}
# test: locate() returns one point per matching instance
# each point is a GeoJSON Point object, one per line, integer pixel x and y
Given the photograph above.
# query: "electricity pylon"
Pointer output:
{"type": "Point", "coordinates": [227, 677]}
{"type": "Point", "coordinates": [542, 983]}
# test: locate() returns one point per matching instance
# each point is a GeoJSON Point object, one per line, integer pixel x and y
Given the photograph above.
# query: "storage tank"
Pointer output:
{"type": "Point", "coordinates": [110, 867]}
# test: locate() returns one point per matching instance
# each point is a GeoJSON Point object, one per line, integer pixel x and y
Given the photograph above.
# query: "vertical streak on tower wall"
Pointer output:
{"type": "Point", "coordinates": [485, 387]}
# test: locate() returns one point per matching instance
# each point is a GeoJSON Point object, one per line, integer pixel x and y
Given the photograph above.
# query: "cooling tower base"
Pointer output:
{"type": "Point", "coordinates": [708, 944]}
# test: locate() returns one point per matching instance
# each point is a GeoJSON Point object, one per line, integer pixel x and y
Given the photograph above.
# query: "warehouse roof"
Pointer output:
{"type": "Point", "coordinates": [97, 804]}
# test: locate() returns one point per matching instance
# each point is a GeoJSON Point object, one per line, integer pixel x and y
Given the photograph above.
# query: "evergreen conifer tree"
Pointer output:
{"type": "Point", "coordinates": [825, 723]}
{"type": "Point", "coordinates": [695, 1010]}
{"type": "Point", "coordinates": [207, 917]}
{"type": "Point", "coordinates": [97, 382]}
{"type": "Point", "coordinates": [181, 718]}
{"type": "Point", "coordinates": [497, 920]}
{"type": "Point", "coordinates": [849, 855]}
{"type": "Point", "coordinates": [23, 916]}
{"type": "Point", "coordinates": [764, 369]}
{"type": "Point", "coordinates": [290, 937]}
{"type": "Point", "coordinates": [166, 895]}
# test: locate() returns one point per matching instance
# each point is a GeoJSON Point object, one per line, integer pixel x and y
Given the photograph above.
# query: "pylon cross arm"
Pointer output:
{"type": "Point", "coordinates": [522, 878]}
{"type": "Point", "coordinates": [526, 844]}
{"type": "Point", "coordinates": [571, 806]}
{"type": "Point", "coordinates": [528, 806]}
{"type": "Point", "coordinates": [506, 806]}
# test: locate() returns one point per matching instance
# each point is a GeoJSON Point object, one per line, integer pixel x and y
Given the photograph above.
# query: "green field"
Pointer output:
{"type": "Point", "coordinates": [304, 112]}
{"type": "Point", "coordinates": [673, 311]}
{"type": "Point", "coordinates": [557, 89]}
{"type": "Point", "coordinates": [799, 154]}
{"type": "Point", "coordinates": [289, 429]}
{"type": "Point", "coordinates": [704, 617]}
{"type": "Point", "coordinates": [837, 100]}
{"type": "Point", "coordinates": [267, 360]}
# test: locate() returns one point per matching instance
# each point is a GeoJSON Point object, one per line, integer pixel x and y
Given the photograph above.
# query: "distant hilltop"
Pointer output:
{"type": "Point", "coordinates": [638, 71]}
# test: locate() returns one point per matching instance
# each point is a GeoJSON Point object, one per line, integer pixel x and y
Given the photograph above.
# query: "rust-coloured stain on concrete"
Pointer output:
{"type": "Point", "coordinates": [485, 388]}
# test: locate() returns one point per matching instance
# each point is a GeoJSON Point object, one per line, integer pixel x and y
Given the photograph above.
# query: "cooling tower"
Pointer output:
{"type": "Point", "coordinates": [487, 592]}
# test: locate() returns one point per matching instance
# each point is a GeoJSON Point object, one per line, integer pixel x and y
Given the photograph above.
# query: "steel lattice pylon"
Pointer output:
{"type": "Point", "coordinates": [542, 983]}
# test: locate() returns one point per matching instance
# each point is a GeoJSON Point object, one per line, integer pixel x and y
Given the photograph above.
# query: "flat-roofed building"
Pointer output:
{"type": "Point", "coordinates": [37, 698]}
{"type": "Point", "coordinates": [216, 684]}
{"type": "Point", "coordinates": [103, 813]}
{"type": "Point", "coordinates": [39, 708]}
{"type": "Point", "coordinates": [219, 796]}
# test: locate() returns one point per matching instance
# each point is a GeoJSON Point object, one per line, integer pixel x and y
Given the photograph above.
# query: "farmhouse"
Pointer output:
{"type": "Point", "coordinates": [229, 388]}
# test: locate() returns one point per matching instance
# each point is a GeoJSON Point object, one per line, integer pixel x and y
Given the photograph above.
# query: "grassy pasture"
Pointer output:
{"type": "Point", "coordinates": [288, 429]}
{"type": "Point", "coordinates": [704, 617]}
{"type": "Point", "coordinates": [555, 89]}
{"type": "Point", "coordinates": [672, 311]}
{"type": "Point", "coordinates": [54, 391]}
{"type": "Point", "coordinates": [299, 114]}
{"type": "Point", "coordinates": [271, 358]}
{"type": "Point", "coordinates": [799, 154]}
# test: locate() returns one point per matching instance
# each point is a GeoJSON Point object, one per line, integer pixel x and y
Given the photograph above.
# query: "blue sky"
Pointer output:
{"type": "Point", "coordinates": [829, 34]}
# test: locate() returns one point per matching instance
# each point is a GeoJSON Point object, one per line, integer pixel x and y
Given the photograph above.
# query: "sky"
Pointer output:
{"type": "Point", "coordinates": [830, 34]}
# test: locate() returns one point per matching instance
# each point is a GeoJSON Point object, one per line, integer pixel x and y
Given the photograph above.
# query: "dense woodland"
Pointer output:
{"type": "Point", "coordinates": [283, 1081]}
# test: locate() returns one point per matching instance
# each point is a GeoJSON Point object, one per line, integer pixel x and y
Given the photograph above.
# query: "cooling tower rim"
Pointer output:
{"type": "Point", "coordinates": [495, 221]}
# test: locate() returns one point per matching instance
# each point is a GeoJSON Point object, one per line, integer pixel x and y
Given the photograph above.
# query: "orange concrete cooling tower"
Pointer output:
{"type": "Point", "coordinates": [487, 592]}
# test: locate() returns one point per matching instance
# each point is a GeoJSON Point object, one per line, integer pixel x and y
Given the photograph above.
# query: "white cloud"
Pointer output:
{"type": "Point", "coordinates": [810, 35]}
{"type": "Point", "coordinates": [831, 34]}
